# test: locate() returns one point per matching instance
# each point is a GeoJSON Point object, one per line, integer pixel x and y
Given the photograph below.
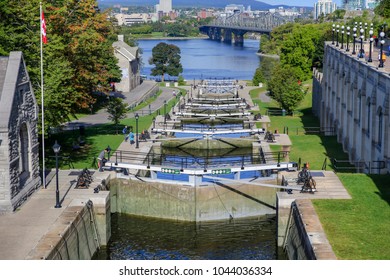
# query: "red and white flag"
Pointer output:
{"type": "Point", "coordinates": [43, 28]}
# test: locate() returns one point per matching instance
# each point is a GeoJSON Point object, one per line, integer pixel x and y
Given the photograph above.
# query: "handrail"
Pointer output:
{"type": "Point", "coordinates": [358, 166]}
{"type": "Point", "coordinates": [324, 164]}
{"type": "Point", "coordinates": [188, 161]}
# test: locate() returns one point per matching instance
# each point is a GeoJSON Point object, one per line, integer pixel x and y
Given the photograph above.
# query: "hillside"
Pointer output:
{"type": "Point", "coordinates": [255, 5]}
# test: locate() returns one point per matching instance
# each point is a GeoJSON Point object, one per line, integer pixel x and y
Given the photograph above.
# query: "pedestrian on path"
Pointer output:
{"type": "Point", "coordinates": [125, 132]}
{"type": "Point", "coordinates": [131, 138]}
{"type": "Point", "coordinates": [102, 159]}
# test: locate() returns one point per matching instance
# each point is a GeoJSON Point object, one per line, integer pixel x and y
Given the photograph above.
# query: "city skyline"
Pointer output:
{"type": "Point", "coordinates": [306, 3]}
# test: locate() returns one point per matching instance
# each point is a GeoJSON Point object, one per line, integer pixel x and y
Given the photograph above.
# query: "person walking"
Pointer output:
{"type": "Point", "coordinates": [102, 159]}
{"type": "Point", "coordinates": [125, 132]}
{"type": "Point", "coordinates": [131, 138]}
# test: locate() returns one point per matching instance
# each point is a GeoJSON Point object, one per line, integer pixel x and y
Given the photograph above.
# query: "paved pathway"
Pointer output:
{"type": "Point", "coordinates": [23, 229]}
{"type": "Point", "coordinates": [131, 98]}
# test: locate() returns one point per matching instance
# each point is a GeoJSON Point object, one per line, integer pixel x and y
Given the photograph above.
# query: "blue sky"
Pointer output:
{"type": "Point", "coordinates": [309, 3]}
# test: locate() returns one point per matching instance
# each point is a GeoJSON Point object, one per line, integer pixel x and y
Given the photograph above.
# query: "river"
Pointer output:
{"type": "Point", "coordinates": [208, 59]}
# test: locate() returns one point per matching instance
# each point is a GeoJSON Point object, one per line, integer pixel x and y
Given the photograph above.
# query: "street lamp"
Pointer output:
{"type": "Point", "coordinates": [348, 33]}
{"type": "Point", "coordinates": [56, 149]}
{"type": "Point", "coordinates": [361, 43]}
{"type": "Point", "coordinates": [365, 30]}
{"type": "Point", "coordinates": [154, 122]}
{"type": "Point", "coordinates": [381, 53]}
{"type": "Point", "coordinates": [165, 111]}
{"type": "Point", "coordinates": [342, 37]}
{"type": "Point", "coordinates": [333, 29]}
{"type": "Point", "coordinates": [354, 40]}
{"type": "Point", "coordinates": [136, 131]}
{"type": "Point", "coordinates": [371, 39]}
{"type": "Point", "coordinates": [337, 35]}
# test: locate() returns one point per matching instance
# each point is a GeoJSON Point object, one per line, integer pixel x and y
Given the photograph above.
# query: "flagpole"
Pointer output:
{"type": "Point", "coordinates": [42, 103]}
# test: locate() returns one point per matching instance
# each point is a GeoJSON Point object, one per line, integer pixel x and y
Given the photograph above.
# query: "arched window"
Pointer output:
{"type": "Point", "coordinates": [368, 117]}
{"type": "Point", "coordinates": [24, 151]}
{"type": "Point", "coordinates": [380, 128]}
{"type": "Point", "coordinates": [359, 108]}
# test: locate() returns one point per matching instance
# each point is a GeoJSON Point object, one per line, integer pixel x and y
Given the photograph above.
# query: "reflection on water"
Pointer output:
{"type": "Point", "coordinates": [203, 59]}
{"type": "Point", "coordinates": [136, 238]}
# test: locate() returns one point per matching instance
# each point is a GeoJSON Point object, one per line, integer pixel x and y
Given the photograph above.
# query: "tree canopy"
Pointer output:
{"type": "Point", "coordinates": [383, 8]}
{"type": "Point", "coordinates": [78, 58]}
{"type": "Point", "coordinates": [285, 87]}
{"type": "Point", "coordinates": [116, 110]}
{"type": "Point", "coordinates": [166, 58]}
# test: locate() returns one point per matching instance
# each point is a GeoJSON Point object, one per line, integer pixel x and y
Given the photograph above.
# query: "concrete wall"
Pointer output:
{"type": "Point", "coordinates": [187, 203]}
{"type": "Point", "coordinates": [300, 233]}
{"type": "Point", "coordinates": [77, 234]}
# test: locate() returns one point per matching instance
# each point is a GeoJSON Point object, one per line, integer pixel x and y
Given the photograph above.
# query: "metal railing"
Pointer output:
{"type": "Point", "coordinates": [189, 161]}
{"type": "Point", "coordinates": [310, 130]}
{"type": "Point", "coordinates": [369, 167]}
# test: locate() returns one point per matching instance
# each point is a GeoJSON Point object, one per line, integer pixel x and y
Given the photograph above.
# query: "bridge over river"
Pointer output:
{"type": "Point", "coordinates": [233, 28]}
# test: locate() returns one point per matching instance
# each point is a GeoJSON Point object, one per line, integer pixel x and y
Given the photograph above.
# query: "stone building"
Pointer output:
{"type": "Point", "coordinates": [351, 96]}
{"type": "Point", "coordinates": [129, 63]}
{"type": "Point", "coordinates": [19, 146]}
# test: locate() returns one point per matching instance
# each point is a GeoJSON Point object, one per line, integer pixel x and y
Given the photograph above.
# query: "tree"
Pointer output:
{"type": "Point", "coordinates": [267, 66]}
{"type": "Point", "coordinates": [298, 48]}
{"type": "Point", "coordinates": [258, 77]}
{"type": "Point", "coordinates": [383, 8]}
{"type": "Point", "coordinates": [117, 110]}
{"type": "Point", "coordinates": [285, 88]}
{"type": "Point", "coordinates": [166, 58]}
{"type": "Point", "coordinates": [88, 36]}
{"type": "Point", "coordinates": [78, 58]}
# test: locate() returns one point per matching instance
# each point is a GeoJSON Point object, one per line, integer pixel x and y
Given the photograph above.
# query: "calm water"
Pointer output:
{"type": "Point", "coordinates": [205, 59]}
{"type": "Point", "coordinates": [135, 238]}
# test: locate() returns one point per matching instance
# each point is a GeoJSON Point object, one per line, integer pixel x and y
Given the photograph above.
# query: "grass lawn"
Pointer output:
{"type": "Point", "coordinates": [359, 228]}
{"type": "Point", "coordinates": [97, 138]}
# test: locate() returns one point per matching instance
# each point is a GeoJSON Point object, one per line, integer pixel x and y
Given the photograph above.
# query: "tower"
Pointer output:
{"type": "Point", "coordinates": [165, 6]}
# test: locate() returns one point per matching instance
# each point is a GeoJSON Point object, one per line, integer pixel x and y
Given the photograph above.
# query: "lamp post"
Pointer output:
{"type": "Point", "coordinates": [354, 40]}
{"type": "Point", "coordinates": [361, 43]}
{"type": "Point", "coordinates": [348, 33]}
{"type": "Point", "coordinates": [56, 149]}
{"type": "Point", "coordinates": [136, 131]}
{"type": "Point", "coordinates": [365, 30]}
{"type": "Point", "coordinates": [382, 34]}
{"type": "Point", "coordinates": [337, 35]}
{"type": "Point", "coordinates": [342, 37]}
{"type": "Point", "coordinates": [333, 29]}
{"type": "Point", "coordinates": [371, 39]}
{"type": "Point", "coordinates": [165, 112]}
{"type": "Point", "coordinates": [154, 122]}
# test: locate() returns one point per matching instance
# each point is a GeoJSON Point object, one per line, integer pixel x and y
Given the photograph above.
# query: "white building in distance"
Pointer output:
{"type": "Point", "coordinates": [126, 19]}
{"type": "Point", "coordinates": [324, 7]}
{"type": "Point", "coordinates": [164, 6]}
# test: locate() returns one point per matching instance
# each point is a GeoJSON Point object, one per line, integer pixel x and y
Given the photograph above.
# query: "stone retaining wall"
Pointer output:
{"type": "Point", "coordinates": [304, 237]}
{"type": "Point", "coordinates": [204, 203]}
{"type": "Point", "coordinates": [76, 235]}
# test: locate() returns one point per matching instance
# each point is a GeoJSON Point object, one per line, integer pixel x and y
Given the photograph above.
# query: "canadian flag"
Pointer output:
{"type": "Point", "coordinates": [43, 29]}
